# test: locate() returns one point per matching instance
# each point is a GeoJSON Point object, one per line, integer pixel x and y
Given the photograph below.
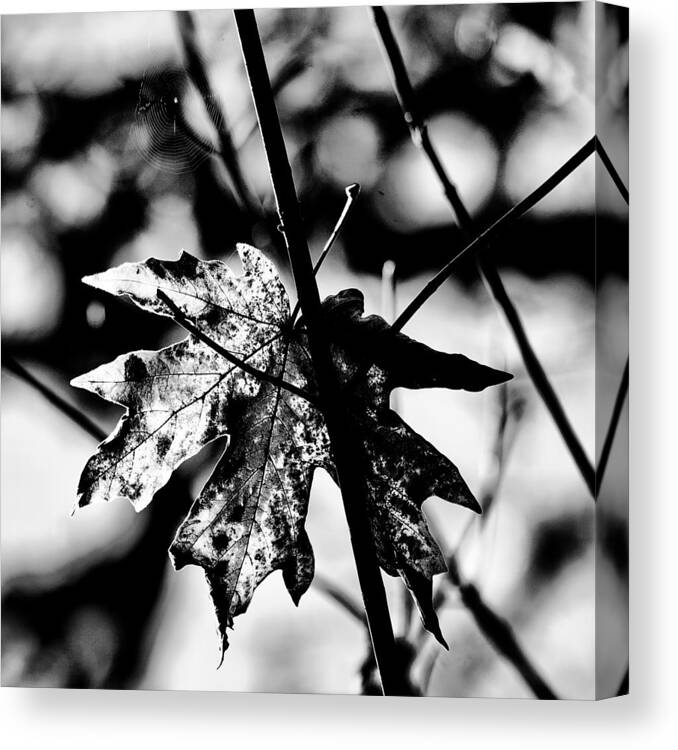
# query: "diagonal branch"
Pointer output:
{"type": "Point", "coordinates": [604, 157]}
{"type": "Point", "coordinates": [72, 412]}
{"type": "Point", "coordinates": [539, 377]}
{"type": "Point", "coordinates": [179, 317]}
{"type": "Point", "coordinates": [489, 273]}
{"type": "Point", "coordinates": [499, 633]}
{"type": "Point", "coordinates": [408, 104]}
{"type": "Point", "coordinates": [612, 428]}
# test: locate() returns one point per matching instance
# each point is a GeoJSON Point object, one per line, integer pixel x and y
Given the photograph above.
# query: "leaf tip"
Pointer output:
{"type": "Point", "coordinates": [441, 640]}
{"type": "Point", "coordinates": [79, 381]}
{"type": "Point", "coordinates": [473, 504]}
{"type": "Point", "coordinates": [486, 377]}
{"type": "Point", "coordinates": [91, 280]}
{"type": "Point", "coordinates": [503, 377]}
{"type": "Point", "coordinates": [222, 651]}
{"type": "Point", "coordinates": [186, 257]}
{"type": "Point", "coordinates": [223, 624]}
{"type": "Point", "coordinates": [432, 624]}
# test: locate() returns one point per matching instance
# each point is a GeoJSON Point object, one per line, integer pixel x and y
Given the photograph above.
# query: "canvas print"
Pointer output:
{"type": "Point", "coordinates": [315, 350]}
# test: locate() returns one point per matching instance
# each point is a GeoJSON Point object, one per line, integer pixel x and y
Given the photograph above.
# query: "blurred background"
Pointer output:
{"type": "Point", "coordinates": [110, 153]}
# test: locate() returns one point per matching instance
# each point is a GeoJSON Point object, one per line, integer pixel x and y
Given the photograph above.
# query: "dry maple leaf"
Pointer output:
{"type": "Point", "coordinates": [245, 372]}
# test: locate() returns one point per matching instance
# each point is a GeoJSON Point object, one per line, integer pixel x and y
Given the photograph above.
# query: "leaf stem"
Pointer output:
{"type": "Point", "coordinates": [181, 319]}
{"type": "Point", "coordinates": [487, 270]}
{"type": "Point", "coordinates": [348, 457]}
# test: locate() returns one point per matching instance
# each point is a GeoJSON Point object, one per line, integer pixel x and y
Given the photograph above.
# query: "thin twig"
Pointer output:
{"type": "Point", "coordinates": [227, 151]}
{"type": "Point", "coordinates": [352, 192]}
{"type": "Point", "coordinates": [66, 408]}
{"type": "Point", "coordinates": [612, 427]}
{"type": "Point", "coordinates": [348, 456]}
{"type": "Point", "coordinates": [179, 317]}
{"type": "Point", "coordinates": [499, 633]}
{"type": "Point", "coordinates": [489, 273]}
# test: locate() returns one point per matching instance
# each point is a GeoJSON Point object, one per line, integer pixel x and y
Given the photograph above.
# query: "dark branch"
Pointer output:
{"type": "Point", "coordinates": [499, 633]}
{"type": "Point", "coordinates": [540, 379]}
{"type": "Point", "coordinates": [413, 118]}
{"type": "Point", "coordinates": [72, 412]}
{"type": "Point", "coordinates": [345, 444]}
{"type": "Point", "coordinates": [612, 428]}
{"type": "Point", "coordinates": [604, 157]}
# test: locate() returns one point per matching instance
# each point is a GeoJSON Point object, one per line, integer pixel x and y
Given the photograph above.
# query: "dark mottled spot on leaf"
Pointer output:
{"type": "Point", "coordinates": [163, 443]}
{"type": "Point", "coordinates": [135, 369]}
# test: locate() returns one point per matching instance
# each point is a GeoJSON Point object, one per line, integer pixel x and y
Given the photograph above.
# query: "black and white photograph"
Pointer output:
{"type": "Point", "coordinates": [315, 350]}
